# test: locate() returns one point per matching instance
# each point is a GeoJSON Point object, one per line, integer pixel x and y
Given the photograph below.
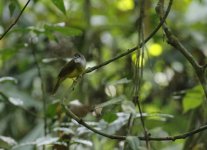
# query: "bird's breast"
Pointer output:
{"type": "Point", "coordinates": [76, 72]}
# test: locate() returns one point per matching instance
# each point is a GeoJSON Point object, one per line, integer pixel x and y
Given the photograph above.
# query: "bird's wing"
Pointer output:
{"type": "Point", "coordinates": [57, 85]}
{"type": "Point", "coordinates": [67, 69]}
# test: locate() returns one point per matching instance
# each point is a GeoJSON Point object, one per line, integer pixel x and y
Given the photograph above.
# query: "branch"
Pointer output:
{"type": "Point", "coordinates": [138, 71]}
{"type": "Point", "coordinates": [80, 121]}
{"type": "Point", "coordinates": [15, 21]}
{"type": "Point", "coordinates": [133, 49]}
{"type": "Point", "coordinates": [173, 41]}
{"type": "Point", "coordinates": [118, 137]}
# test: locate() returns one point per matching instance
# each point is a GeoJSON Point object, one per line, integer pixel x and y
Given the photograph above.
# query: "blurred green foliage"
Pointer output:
{"type": "Point", "coordinates": [171, 98]}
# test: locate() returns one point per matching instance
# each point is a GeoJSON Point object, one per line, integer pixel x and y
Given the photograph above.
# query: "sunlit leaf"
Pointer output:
{"type": "Point", "coordinates": [7, 142]}
{"type": "Point", "coordinates": [152, 109]}
{"type": "Point", "coordinates": [84, 142]}
{"type": "Point", "coordinates": [8, 79]}
{"type": "Point", "coordinates": [46, 140]}
{"type": "Point", "coordinates": [121, 81]}
{"type": "Point", "coordinates": [162, 117]}
{"type": "Point", "coordinates": [183, 7]}
{"type": "Point", "coordinates": [128, 106]}
{"type": "Point", "coordinates": [65, 130]}
{"type": "Point", "coordinates": [15, 101]}
{"type": "Point", "coordinates": [159, 117]}
{"type": "Point", "coordinates": [111, 102]}
{"type": "Point", "coordinates": [193, 98]}
{"type": "Point", "coordinates": [60, 5]}
{"type": "Point", "coordinates": [69, 31]}
{"type": "Point", "coordinates": [110, 90]}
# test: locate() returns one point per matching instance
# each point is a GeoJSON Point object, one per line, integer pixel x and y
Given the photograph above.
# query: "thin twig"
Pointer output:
{"type": "Point", "coordinates": [15, 21]}
{"type": "Point", "coordinates": [42, 88]}
{"type": "Point", "coordinates": [138, 73]}
{"type": "Point", "coordinates": [118, 137]}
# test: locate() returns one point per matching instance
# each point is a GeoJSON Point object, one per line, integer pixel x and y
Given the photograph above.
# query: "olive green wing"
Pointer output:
{"type": "Point", "coordinates": [67, 69]}
{"type": "Point", "coordinates": [64, 72]}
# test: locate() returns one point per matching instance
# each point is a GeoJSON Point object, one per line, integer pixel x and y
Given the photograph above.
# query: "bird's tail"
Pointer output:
{"type": "Point", "coordinates": [56, 86]}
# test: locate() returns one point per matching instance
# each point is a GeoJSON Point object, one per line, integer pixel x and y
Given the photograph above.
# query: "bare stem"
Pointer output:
{"type": "Point", "coordinates": [118, 137]}
{"type": "Point", "coordinates": [15, 21]}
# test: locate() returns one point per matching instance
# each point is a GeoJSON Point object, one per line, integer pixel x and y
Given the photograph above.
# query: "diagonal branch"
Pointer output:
{"type": "Point", "coordinates": [119, 137]}
{"type": "Point", "coordinates": [133, 49]}
{"type": "Point", "coordinates": [80, 121]}
{"type": "Point", "coordinates": [172, 40]}
{"type": "Point", "coordinates": [15, 21]}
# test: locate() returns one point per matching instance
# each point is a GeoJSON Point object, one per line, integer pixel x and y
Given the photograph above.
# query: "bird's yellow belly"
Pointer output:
{"type": "Point", "coordinates": [74, 73]}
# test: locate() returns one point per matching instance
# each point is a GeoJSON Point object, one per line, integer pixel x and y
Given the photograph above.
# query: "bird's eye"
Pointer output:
{"type": "Point", "coordinates": [77, 55]}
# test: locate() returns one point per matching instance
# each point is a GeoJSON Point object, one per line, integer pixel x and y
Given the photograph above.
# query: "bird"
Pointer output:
{"type": "Point", "coordinates": [72, 69]}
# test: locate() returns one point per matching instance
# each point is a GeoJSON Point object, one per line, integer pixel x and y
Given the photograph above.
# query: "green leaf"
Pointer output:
{"type": "Point", "coordinates": [133, 142]}
{"type": "Point", "coordinates": [111, 102]}
{"type": "Point", "coordinates": [193, 98]}
{"type": "Point", "coordinates": [121, 81]}
{"type": "Point", "coordinates": [12, 7]}
{"type": "Point", "coordinates": [51, 110]}
{"type": "Point", "coordinates": [60, 5]}
{"type": "Point", "coordinates": [69, 31]}
{"type": "Point", "coordinates": [8, 53]}
{"type": "Point", "coordinates": [109, 117]}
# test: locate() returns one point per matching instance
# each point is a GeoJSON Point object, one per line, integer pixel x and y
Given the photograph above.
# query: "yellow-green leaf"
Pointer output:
{"type": "Point", "coordinates": [109, 117]}
{"type": "Point", "coordinates": [193, 98]}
